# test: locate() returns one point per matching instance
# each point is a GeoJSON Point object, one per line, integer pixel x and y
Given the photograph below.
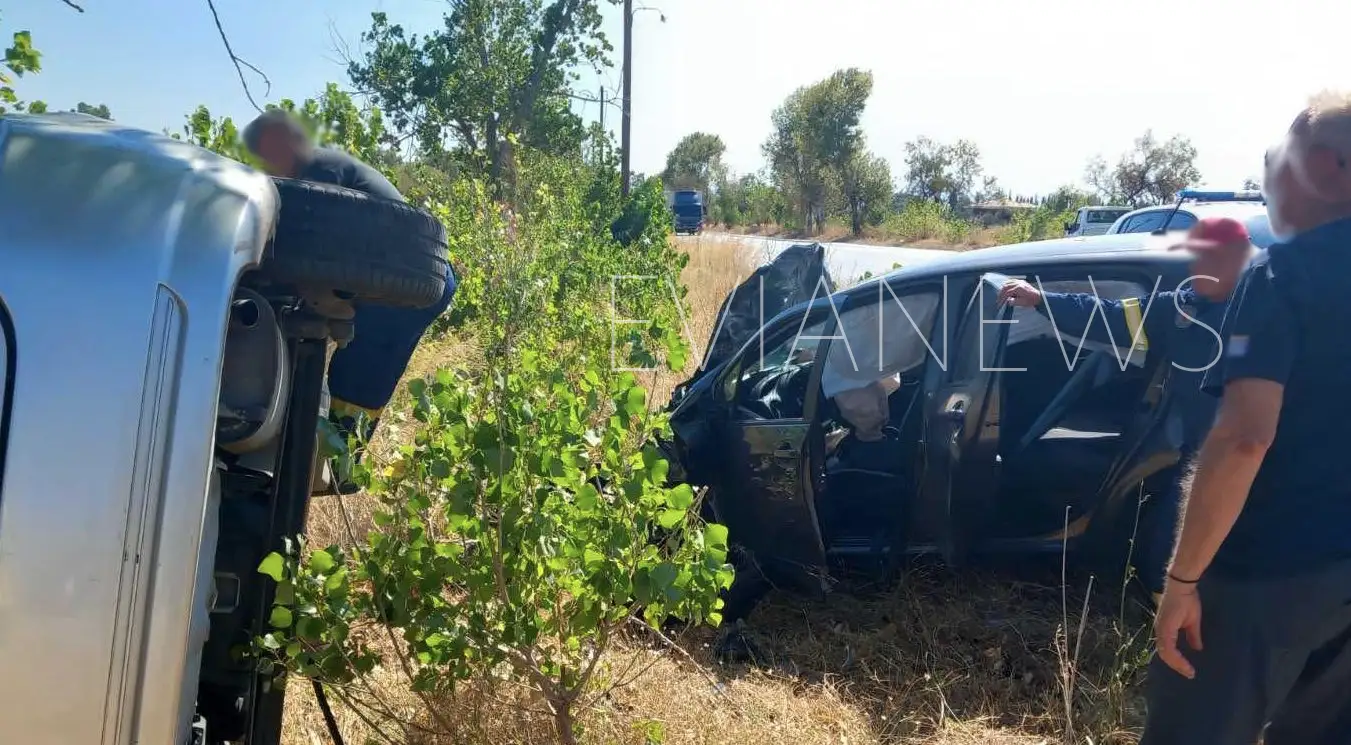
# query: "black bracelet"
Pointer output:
{"type": "Point", "coordinates": [1181, 581]}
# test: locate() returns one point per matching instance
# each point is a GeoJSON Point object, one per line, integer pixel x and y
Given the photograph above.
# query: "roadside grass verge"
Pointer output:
{"type": "Point", "coordinates": [977, 657]}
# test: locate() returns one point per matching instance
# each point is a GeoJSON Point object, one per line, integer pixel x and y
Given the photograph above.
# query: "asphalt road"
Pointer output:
{"type": "Point", "coordinates": [846, 261]}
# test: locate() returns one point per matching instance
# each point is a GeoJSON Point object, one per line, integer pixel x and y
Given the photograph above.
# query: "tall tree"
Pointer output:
{"type": "Point", "coordinates": [815, 135]}
{"type": "Point", "coordinates": [943, 173]}
{"type": "Point", "coordinates": [865, 186]}
{"type": "Point", "coordinates": [1151, 172]}
{"type": "Point", "coordinates": [695, 162]}
{"type": "Point", "coordinates": [498, 73]}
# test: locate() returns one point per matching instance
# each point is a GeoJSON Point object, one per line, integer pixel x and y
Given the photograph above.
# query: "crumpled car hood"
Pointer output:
{"type": "Point", "coordinates": [789, 279]}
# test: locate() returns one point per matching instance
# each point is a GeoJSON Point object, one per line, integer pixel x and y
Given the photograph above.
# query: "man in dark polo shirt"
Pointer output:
{"type": "Point", "coordinates": [363, 375]}
{"type": "Point", "coordinates": [1265, 545]}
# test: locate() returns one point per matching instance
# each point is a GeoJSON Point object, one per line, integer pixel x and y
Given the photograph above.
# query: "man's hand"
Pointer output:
{"type": "Point", "coordinates": [1019, 294]}
{"type": "Point", "coordinates": [1179, 613]}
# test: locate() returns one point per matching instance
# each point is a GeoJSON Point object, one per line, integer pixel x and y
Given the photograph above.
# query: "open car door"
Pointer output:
{"type": "Point", "coordinates": [765, 492]}
{"type": "Point", "coordinates": [962, 425]}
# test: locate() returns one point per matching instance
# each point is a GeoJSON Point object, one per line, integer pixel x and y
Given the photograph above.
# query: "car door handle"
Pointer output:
{"type": "Point", "coordinates": [786, 451]}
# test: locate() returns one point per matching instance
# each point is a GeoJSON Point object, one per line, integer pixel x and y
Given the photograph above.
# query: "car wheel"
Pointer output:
{"type": "Point", "coordinates": [368, 248]}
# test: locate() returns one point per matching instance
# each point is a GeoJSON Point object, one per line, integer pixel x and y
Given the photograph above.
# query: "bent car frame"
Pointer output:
{"type": "Point", "coordinates": [912, 414]}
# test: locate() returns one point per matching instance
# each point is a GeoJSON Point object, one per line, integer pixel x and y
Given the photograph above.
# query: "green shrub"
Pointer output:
{"type": "Point", "coordinates": [921, 219]}
{"type": "Point", "coordinates": [530, 518]}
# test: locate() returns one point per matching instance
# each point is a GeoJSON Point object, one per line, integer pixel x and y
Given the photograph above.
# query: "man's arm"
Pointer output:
{"type": "Point", "coordinates": [1123, 321]}
{"type": "Point", "coordinates": [1260, 348]}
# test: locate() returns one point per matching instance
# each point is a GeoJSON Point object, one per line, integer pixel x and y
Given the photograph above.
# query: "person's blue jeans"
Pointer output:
{"type": "Point", "coordinates": [363, 375]}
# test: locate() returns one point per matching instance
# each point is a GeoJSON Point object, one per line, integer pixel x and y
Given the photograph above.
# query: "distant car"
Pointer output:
{"type": "Point", "coordinates": [1093, 220]}
{"type": "Point", "coordinates": [1247, 207]}
{"type": "Point", "coordinates": [911, 414]}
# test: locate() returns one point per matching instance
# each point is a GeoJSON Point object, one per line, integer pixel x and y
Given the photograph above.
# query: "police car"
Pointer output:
{"type": "Point", "coordinates": [1247, 207]}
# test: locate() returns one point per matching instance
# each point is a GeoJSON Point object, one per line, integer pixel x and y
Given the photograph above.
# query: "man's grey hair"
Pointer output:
{"type": "Point", "coordinates": [1327, 120]}
{"type": "Point", "coordinates": [274, 118]}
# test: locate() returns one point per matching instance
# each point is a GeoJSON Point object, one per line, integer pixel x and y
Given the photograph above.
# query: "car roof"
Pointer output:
{"type": "Point", "coordinates": [1235, 209]}
{"type": "Point", "coordinates": [1054, 251]}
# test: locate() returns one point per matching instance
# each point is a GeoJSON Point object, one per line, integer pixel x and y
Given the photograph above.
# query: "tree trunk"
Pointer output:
{"type": "Point", "coordinates": [563, 722]}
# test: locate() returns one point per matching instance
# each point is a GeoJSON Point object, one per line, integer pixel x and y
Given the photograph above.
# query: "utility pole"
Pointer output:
{"type": "Point", "coordinates": [628, 98]}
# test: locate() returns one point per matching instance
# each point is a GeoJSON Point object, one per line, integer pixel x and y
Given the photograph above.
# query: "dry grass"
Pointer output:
{"type": "Point", "coordinates": [935, 659]}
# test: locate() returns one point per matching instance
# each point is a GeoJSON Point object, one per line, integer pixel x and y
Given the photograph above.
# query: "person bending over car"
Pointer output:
{"type": "Point", "coordinates": [1189, 319]}
{"type": "Point", "coordinates": [363, 375]}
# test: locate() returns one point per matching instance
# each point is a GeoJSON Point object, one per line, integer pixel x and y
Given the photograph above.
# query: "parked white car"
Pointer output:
{"type": "Point", "coordinates": [1247, 207]}
{"type": "Point", "coordinates": [1094, 220]}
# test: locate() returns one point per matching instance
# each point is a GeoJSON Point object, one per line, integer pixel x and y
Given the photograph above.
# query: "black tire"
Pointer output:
{"type": "Point", "coordinates": [371, 249]}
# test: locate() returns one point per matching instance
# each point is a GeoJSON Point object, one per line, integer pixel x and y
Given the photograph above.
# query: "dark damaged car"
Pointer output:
{"type": "Point", "coordinates": [911, 414]}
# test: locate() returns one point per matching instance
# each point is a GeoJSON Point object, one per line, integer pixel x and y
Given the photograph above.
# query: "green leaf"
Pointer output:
{"type": "Point", "coordinates": [635, 401]}
{"type": "Point", "coordinates": [668, 519]}
{"type": "Point", "coordinates": [335, 581]}
{"type": "Point", "coordinates": [321, 561]}
{"type": "Point", "coordinates": [273, 566]}
{"type": "Point", "coordinates": [716, 535]}
{"type": "Point", "coordinates": [681, 497]}
{"type": "Point", "coordinates": [280, 618]}
{"type": "Point", "coordinates": [587, 497]}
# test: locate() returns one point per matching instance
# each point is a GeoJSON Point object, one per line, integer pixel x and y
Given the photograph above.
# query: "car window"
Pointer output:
{"type": "Point", "coordinates": [890, 334]}
{"type": "Point", "coordinates": [773, 385]}
{"type": "Point", "coordinates": [1030, 323]}
{"type": "Point", "coordinates": [1104, 216]}
{"type": "Point", "coordinates": [1145, 222]}
{"type": "Point", "coordinates": [1182, 221]}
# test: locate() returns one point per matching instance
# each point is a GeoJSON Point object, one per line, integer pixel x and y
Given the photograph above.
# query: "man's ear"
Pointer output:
{"type": "Point", "coordinates": [1328, 172]}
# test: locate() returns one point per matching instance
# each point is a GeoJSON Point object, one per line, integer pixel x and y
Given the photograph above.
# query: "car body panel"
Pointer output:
{"type": "Point", "coordinates": [962, 423]}
{"type": "Point", "coordinates": [121, 250]}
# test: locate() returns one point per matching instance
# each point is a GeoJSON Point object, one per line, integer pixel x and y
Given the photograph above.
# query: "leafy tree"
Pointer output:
{"type": "Point", "coordinates": [1066, 199]}
{"type": "Point", "coordinates": [1151, 172]}
{"type": "Point", "coordinates": [695, 162]}
{"type": "Point", "coordinates": [865, 186]}
{"type": "Point", "coordinates": [333, 119]}
{"type": "Point", "coordinates": [220, 136]}
{"type": "Point", "coordinates": [101, 111]}
{"type": "Point", "coordinates": [1250, 184]}
{"type": "Point", "coordinates": [21, 58]}
{"type": "Point", "coordinates": [944, 173]}
{"type": "Point", "coordinates": [990, 191]}
{"type": "Point", "coordinates": [815, 136]}
{"type": "Point", "coordinates": [498, 73]}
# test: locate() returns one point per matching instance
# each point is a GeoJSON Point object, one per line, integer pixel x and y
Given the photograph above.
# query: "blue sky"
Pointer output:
{"type": "Point", "coordinates": [1039, 85]}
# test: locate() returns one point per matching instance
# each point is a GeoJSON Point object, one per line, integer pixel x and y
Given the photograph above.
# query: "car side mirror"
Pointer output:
{"type": "Point", "coordinates": [1070, 226]}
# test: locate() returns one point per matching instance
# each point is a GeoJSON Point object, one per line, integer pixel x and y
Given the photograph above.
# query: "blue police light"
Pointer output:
{"type": "Point", "coordinates": [1247, 195]}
